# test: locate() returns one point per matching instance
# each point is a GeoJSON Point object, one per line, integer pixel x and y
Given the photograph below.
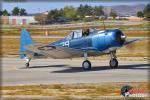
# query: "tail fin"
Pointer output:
{"type": "Point", "coordinates": [25, 39]}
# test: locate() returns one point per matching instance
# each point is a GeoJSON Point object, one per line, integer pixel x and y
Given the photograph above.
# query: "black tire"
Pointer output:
{"type": "Point", "coordinates": [27, 65]}
{"type": "Point", "coordinates": [113, 63]}
{"type": "Point", "coordinates": [86, 65]}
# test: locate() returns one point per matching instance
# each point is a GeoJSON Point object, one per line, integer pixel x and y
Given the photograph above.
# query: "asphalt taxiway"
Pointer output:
{"type": "Point", "coordinates": [49, 71]}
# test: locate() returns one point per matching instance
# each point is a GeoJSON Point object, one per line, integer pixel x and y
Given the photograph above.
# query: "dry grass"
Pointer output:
{"type": "Point", "coordinates": [137, 49]}
{"type": "Point", "coordinates": [11, 46]}
{"type": "Point", "coordinates": [68, 90]}
{"type": "Point", "coordinates": [64, 32]}
{"type": "Point", "coordinates": [138, 33]}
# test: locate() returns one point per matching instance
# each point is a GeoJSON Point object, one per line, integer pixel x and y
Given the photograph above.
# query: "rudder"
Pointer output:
{"type": "Point", "coordinates": [25, 39]}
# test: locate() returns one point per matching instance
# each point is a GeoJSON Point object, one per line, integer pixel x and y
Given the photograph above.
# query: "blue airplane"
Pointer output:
{"type": "Point", "coordinates": [79, 43]}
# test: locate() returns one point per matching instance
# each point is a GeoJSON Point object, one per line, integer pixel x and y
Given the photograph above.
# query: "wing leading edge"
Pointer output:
{"type": "Point", "coordinates": [128, 41]}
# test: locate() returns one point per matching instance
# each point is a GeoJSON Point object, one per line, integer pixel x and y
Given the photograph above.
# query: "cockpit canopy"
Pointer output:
{"type": "Point", "coordinates": [75, 34]}
{"type": "Point", "coordinates": [81, 33]}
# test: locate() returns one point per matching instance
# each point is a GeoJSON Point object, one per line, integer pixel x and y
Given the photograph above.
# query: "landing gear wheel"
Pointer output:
{"type": "Point", "coordinates": [86, 65]}
{"type": "Point", "coordinates": [27, 65]}
{"type": "Point", "coordinates": [113, 63]}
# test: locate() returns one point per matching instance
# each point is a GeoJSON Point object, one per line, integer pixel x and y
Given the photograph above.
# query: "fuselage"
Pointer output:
{"type": "Point", "coordinates": [99, 40]}
{"type": "Point", "coordinates": [78, 43]}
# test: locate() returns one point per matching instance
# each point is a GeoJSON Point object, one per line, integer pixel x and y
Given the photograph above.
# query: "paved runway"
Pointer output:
{"type": "Point", "coordinates": [47, 71]}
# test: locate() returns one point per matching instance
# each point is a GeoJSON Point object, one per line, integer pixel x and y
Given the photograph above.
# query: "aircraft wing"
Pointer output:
{"type": "Point", "coordinates": [53, 51]}
{"type": "Point", "coordinates": [128, 41]}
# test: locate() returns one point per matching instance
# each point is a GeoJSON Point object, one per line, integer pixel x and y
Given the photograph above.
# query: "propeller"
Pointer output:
{"type": "Point", "coordinates": [120, 37]}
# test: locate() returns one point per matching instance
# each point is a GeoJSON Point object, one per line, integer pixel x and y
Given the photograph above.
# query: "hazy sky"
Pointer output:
{"type": "Point", "coordinates": [35, 7]}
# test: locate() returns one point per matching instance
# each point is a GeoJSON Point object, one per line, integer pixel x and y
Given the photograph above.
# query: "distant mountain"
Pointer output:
{"type": "Point", "coordinates": [124, 10]}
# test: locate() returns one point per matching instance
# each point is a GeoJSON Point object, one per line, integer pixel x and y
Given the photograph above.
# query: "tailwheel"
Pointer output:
{"type": "Point", "coordinates": [86, 65]}
{"type": "Point", "coordinates": [113, 63]}
{"type": "Point", "coordinates": [27, 65]}
{"type": "Point", "coordinates": [27, 62]}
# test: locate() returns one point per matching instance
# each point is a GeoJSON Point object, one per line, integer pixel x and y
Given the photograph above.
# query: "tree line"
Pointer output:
{"type": "Point", "coordinates": [80, 12]}
{"type": "Point", "coordinates": [72, 13]}
{"type": "Point", "coordinates": [145, 13]}
{"type": "Point", "coordinates": [15, 12]}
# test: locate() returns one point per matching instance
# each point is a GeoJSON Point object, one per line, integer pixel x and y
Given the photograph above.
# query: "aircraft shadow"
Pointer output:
{"type": "Point", "coordinates": [101, 68]}
{"type": "Point", "coordinates": [44, 66]}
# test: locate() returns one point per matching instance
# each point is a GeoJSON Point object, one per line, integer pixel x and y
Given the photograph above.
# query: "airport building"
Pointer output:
{"type": "Point", "coordinates": [17, 20]}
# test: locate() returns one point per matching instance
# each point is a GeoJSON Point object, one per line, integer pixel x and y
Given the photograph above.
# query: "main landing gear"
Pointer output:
{"type": "Point", "coordinates": [27, 62]}
{"type": "Point", "coordinates": [86, 65]}
{"type": "Point", "coordinates": [113, 62]}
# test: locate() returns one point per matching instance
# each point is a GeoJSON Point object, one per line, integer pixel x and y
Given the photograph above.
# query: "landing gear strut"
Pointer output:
{"type": "Point", "coordinates": [113, 62]}
{"type": "Point", "coordinates": [27, 62]}
{"type": "Point", "coordinates": [86, 65]}
{"type": "Point", "coordinates": [27, 65]}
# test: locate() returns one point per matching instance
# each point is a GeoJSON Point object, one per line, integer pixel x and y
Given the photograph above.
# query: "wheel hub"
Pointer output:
{"type": "Point", "coordinates": [86, 64]}
{"type": "Point", "coordinates": [113, 63]}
